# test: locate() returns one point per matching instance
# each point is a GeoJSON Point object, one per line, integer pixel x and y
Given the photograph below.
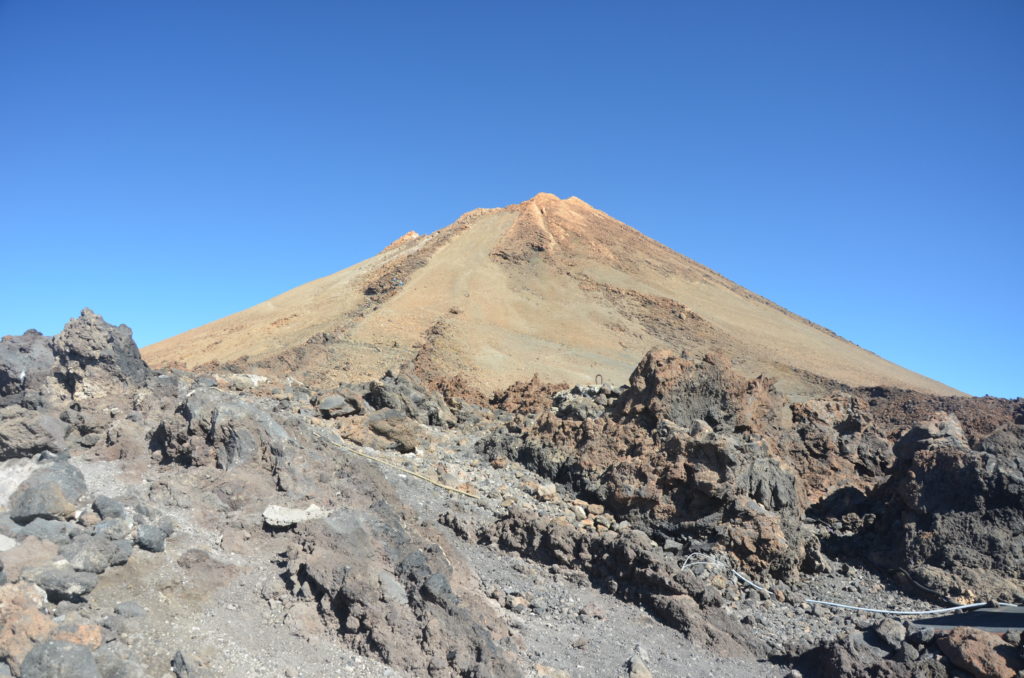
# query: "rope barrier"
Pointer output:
{"type": "Point", "coordinates": [384, 462]}
{"type": "Point", "coordinates": [690, 561]}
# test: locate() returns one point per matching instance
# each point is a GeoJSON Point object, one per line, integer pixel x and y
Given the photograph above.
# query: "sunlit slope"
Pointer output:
{"type": "Point", "coordinates": [548, 286]}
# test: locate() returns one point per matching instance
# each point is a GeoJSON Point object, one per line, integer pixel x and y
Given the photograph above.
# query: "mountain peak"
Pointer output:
{"type": "Point", "coordinates": [542, 199]}
{"type": "Point", "coordinates": [547, 286]}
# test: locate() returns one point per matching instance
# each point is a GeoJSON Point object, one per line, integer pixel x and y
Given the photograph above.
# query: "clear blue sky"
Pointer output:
{"type": "Point", "coordinates": [861, 163]}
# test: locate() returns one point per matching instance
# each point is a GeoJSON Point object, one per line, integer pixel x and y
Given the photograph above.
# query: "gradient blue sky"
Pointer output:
{"type": "Point", "coordinates": [861, 163]}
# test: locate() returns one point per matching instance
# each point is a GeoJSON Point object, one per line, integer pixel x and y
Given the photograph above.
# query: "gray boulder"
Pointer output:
{"type": "Point", "coordinates": [25, 362]}
{"type": "Point", "coordinates": [62, 582]}
{"type": "Point", "coordinates": [408, 396]}
{"type": "Point", "coordinates": [954, 517]}
{"type": "Point", "coordinates": [59, 659]}
{"type": "Point", "coordinates": [112, 664]}
{"type": "Point", "coordinates": [150, 538]}
{"type": "Point", "coordinates": [391, 586]}
{"type": "Point", "coordinates": [339, 405]}
{"type": "Point", "coordinates": [96, 359]}
{"type": "Point", "coordinates": [576, 406]}
{"type": "Point", "coordinates": [50, 492]}
{"type": "Point", "coordinates": [60, 532]}
{"type": "Point", "coordinates": [114, 528]}
{"type": "Point", "coordinates": [25, 432]}
{"type": "Point", "coordinates": [95, 554]}
{"type": "Point", "coordinates": [107, 507]}
{"type": "Point", "coordinates": [236, 430]}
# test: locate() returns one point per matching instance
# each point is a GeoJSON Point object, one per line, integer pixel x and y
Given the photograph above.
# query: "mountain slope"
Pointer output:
{"type": "Point", "coordinates": [548, 286]}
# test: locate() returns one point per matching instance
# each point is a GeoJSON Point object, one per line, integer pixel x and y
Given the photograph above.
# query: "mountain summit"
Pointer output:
{"type": "Point", "coordinates": [547, 286]}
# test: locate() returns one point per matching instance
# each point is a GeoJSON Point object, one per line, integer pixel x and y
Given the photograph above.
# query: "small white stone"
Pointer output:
{"type": "Point", "coordinates": [282, 516]}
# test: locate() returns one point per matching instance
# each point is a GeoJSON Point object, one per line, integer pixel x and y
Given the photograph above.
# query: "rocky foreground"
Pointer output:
{"type": "Point", "coordinates": [693, 522]}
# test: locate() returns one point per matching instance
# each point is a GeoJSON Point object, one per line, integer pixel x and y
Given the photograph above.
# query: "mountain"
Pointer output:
{"type": "Point", "coordinates": [548, 286]}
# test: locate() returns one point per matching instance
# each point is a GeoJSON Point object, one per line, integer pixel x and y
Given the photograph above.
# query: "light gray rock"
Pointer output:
{"type": "Point", "coordinates": [130, 609]}
{"type": "Point", "coordinates": [115, 528]}
{"type": "Point", "coordinates": [282, 516]}
{"type": "Point", "coordinates": [6, 543]}
{"type": "Point", "coordinates": [335, 406]}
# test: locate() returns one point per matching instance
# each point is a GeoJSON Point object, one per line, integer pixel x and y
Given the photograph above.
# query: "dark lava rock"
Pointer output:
{"type": "Point", "coordinates": [97, 358]}
{"type": "Point", "coordinates": [59, 659]}
{"type": "Point", "coordinates": [892, 633]}
{"type": "Point", "coordinates": [954, 516]}
{"type": "Point", "coordinates": [408, 396]}
{"type": "Point", "coordinates": [183, 668]}
{"type": "Point", "coordinates": [641, 574]}
{"type": "Point", "coordinates": [50, 492]}
{"type": "Point", "coordinates": [391, 586]}
{"type": "Point", "coordinates": [150, 538]}
{"type": "Point", "coordinates": [233, 429]}
{"type": "Point", "coordinates": [25, 432]}
{"type": "Point", "coordinates": [850, 656]}
{"type": "Point", "coordinates": [336, 405]}
{"type": "Point", "coordinates": [112, 665]}
{"type": "Point", "coordinates": [108, 508]}
{"type": "Point", "coordinates": [90, 553]}
{"type": "Point", "coordinates": [60, 532]}
{"type": "Point", "coordinates": [63, 582]}
{"type": "Point", "coordinates": [25, 362]}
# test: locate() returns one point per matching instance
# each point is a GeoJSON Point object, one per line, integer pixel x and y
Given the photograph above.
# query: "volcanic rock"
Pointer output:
{"type": "Point", "coordinates": [50, 492]}
{"type": "Point", "coordinates": [59, 659]}
{"type": "Point", "coordinates": [980, 653]}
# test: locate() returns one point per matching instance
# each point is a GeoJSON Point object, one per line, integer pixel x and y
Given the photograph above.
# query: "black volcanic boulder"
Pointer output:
{"type": "Point", "coordinates": [59, 659]}
{"type": "Point", "coordinates": [955, 516]}
{"type": "Point", "coordinates": [50, 492]}
{"type": "Point", "coordinates": [25, 432]}
{"type": "Point", "coordinates": [213, 426]}
{"type": "Point", "coordinates": [408, 396]}
{"type": "Point", "coordinates": [25, 362]}
{"type": "Point", "coordinates": [96, 359]}
{"type": "Point", "coordinates": [398, 596]}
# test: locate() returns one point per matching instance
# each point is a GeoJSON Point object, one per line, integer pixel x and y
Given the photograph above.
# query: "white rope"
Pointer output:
{"type": "Point", "coordinates": [970, 606]}
{"type": "Point", "coordinates": [690, 561]}
{"type": "Point", "coordinates": [759, 588]}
